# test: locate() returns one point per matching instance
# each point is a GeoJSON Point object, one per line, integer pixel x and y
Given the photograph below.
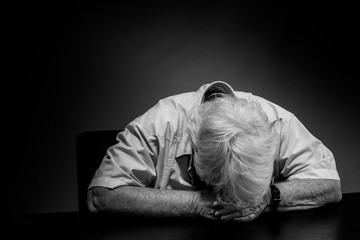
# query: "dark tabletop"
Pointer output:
{"type": "Point", "coordinates": [337, 221]}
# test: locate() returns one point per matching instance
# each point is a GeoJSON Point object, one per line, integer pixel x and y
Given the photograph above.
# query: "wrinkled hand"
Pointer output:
{"type": "Point", "coordinates": [205, 205]}
{"type": "Point", "coordinates": [241, 213]}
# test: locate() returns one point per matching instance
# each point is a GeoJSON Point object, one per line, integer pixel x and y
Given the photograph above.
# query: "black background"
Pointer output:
{"type": "Point", "coordinates": [72, 67]}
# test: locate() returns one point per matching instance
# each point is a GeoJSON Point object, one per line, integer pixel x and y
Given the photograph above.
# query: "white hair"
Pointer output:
{"type": "Point", "coordinates": [234, 149]}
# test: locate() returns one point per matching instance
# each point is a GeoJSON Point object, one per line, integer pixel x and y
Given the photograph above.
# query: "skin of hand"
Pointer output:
{"type": "Point", "coordinates": [297, 194]}
{"type": "Point", "coordinates": [240, 213]}
{"type": "Point", "coordinates": [205, 205]}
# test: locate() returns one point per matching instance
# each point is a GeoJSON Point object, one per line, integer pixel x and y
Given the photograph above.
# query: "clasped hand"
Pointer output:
{"type": "Point", "coordinates": [238, 213]}
{"type": "Point", "coordinates": [211, 209]}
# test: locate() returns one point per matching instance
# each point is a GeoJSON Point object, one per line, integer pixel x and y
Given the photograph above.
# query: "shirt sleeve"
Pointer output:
{"type": "Point", "coordinates": [304, 156]}
{"type": "Point", "coordinates": [131, 161]}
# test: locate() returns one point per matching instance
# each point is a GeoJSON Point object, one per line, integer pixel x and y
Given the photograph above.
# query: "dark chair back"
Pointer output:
{"type": "Point", "coordinates": [91, 148]}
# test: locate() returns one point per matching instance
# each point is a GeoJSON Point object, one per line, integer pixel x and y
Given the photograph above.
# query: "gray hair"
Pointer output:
{"type": "Point", "coordinates": [234, 149]}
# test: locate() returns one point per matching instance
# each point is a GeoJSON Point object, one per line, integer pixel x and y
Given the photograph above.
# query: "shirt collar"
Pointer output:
{"type": "Point", "coordinates": [184, 145]}
{"type": "Point", "coordinates": [214, 87]}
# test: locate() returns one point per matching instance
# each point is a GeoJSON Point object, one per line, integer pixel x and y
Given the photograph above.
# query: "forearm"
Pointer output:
{"type": "Point", "coordinates": [142, 201]}
{"type": "Point", "coordinates": [302, 194]}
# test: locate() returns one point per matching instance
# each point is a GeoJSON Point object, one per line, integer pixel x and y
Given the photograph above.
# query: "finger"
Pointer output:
{"type": "Point", "coordinates": [211, 217]}
{"type": "Point", "coordinates": [210, 214]}
{"type": "Point", "coordinates": [247, 218]}
{"type": "Point", "coordinates": [216, 205]}
{"type": "Point", "coordinates": [225, 211]}
{"type": "Point", "coordinates": [244, 215]}
{"type": "Point", "coordinates": [232, 216]}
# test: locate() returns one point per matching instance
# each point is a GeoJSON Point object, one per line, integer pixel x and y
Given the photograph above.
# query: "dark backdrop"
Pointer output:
{"type": "Point", "coordinates": [95, 66]}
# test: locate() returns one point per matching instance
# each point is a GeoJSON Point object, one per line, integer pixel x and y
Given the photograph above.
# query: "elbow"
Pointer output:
{"type": "Point", "coordinates": [332, 193]}
{"type": "Point", "coordinates": [336, 192]}
{"type": "Point", "coordinates": [94, 202]}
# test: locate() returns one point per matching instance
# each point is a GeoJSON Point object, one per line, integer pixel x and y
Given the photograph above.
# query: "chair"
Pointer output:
{"type": "Point", "coordinates": [91, 148]}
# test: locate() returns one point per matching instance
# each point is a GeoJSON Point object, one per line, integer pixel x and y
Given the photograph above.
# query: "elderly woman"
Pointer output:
{"type": "Point", "coordinates": [215, 153]}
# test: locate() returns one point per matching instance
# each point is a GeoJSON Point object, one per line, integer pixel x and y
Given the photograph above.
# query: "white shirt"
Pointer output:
{"type": "Point", "coordinates": [154, 150]}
